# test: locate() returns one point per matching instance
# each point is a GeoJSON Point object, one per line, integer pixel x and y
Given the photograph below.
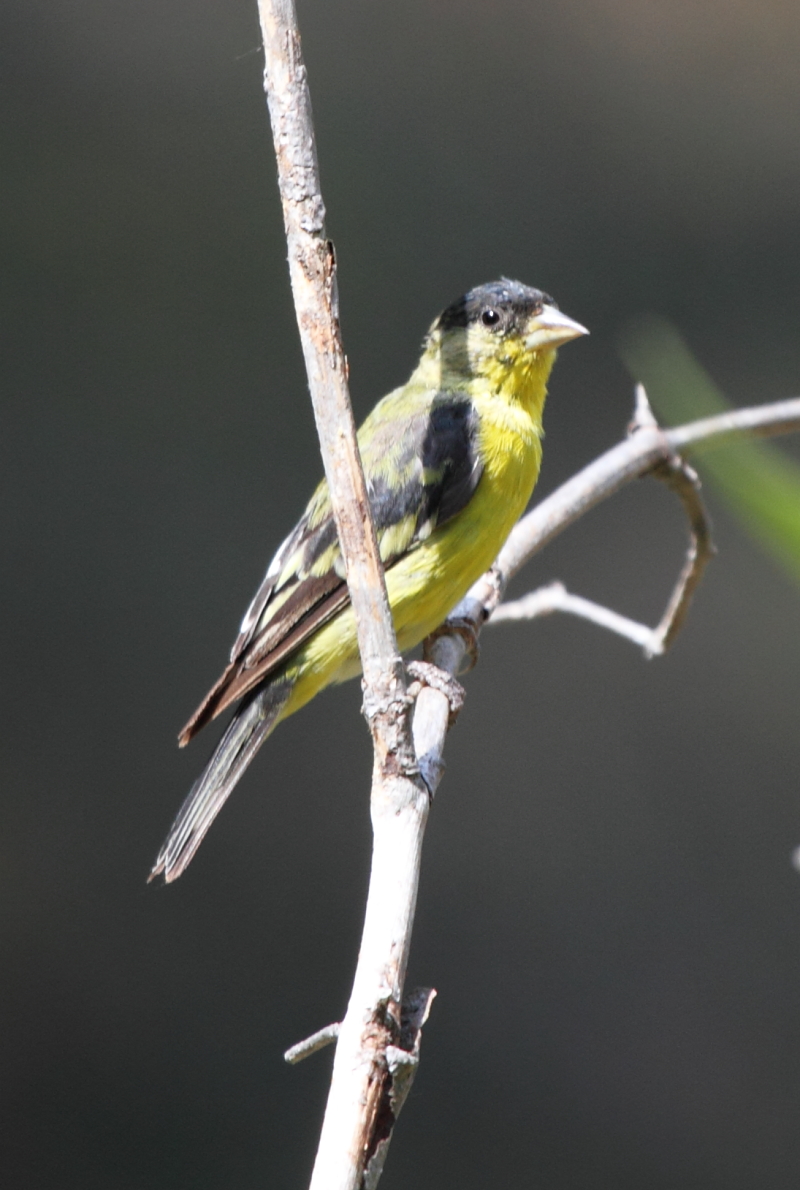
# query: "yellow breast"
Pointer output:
{"type": "Point", "coordinates": [426, 584]}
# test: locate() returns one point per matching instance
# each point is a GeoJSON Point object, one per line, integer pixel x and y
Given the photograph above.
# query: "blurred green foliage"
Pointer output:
{"type": "Point", "coordinates": [759, 481]}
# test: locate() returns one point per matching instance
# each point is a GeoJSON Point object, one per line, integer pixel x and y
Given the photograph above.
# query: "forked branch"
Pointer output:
{"type": "Point", "coordinates": [368, 1071]}
{"type": "Point", "coordinates": [676, 473]}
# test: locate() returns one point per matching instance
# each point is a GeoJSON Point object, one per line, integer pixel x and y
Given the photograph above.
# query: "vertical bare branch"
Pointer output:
{"type": "Point", "coordinates": [368, 1071]}
{"type": "Point", "coordinates": [312, 267]}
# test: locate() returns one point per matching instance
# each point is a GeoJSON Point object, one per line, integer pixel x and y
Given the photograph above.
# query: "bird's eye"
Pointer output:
{"type": "Point", "coordinates": [490, 317]}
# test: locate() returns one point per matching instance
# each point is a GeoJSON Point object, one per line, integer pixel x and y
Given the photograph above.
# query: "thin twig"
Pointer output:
{"type": "Point", "coordinates": [556, 598]}
{"type": "Point", "coordinates": [362, 1091]}
{"type": "Point", "coordinates": [682, 479]}
{"type": "Point", "coordinates": [311, 1045]}
{"type": "Point", "coordinates": [754, 421]}
{"type": "Point", "coordinates": [676, 473]}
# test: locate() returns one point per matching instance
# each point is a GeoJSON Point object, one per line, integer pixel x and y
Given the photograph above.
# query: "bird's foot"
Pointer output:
{"type": "Point", "coordinates": [424, 673]}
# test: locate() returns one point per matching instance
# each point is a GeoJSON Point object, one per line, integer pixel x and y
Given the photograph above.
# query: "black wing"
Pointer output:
{"type": "Point", "coordinates": [422, 465]}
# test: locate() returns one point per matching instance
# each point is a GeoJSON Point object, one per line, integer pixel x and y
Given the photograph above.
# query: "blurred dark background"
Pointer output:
{"type": "Point", "coordinates": [608, 907]}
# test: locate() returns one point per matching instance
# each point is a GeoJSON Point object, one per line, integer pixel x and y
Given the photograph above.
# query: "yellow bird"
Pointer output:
{"type": "Point", "coordinates": [450, 461]}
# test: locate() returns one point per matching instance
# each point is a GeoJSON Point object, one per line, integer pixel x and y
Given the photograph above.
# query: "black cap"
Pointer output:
{"type": "Point", "coordinates": [505, 304]}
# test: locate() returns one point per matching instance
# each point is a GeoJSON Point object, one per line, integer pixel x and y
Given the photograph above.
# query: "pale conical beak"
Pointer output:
{"type": "Point", "coordinates": [551, 328]}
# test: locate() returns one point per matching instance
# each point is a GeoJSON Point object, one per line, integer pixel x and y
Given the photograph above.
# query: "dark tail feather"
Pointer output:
{"type": "Point", "coordinates": [246, 732]}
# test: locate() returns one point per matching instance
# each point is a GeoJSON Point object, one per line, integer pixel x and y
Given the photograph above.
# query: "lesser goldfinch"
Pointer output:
{"type": "Point", "coordinates": [450, 461]}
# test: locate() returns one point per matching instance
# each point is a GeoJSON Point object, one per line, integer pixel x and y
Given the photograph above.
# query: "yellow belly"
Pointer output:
{"type": "Point", "coordinates": [429, 581]}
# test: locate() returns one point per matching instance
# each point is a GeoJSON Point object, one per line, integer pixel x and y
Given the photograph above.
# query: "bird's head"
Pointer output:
{"type": "Point", "coordinates": [504, 333]}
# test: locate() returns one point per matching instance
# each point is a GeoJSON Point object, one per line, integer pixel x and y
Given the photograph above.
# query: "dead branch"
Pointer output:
{"type": "Point", "coordinates": [363, 1094]}
{"type": "Point", "coordinates": [676, 473]}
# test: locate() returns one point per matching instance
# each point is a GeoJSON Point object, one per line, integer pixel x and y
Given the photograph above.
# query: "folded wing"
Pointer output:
{"type": "Point", "coordinates": [422, 464]}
